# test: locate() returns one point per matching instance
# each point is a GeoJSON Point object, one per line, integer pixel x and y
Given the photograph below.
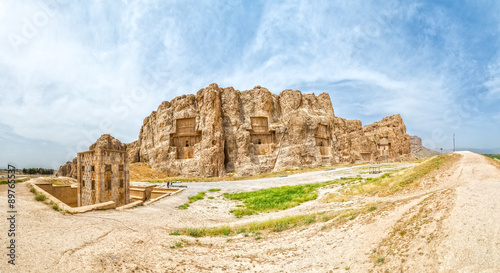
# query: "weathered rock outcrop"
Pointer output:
{"type": "Point", "coordinates": [104, 142]}
{"type": "Point", "coordinates": [68, 169]}
{"type": "Point", "coordinates": [221, 130]}
{"type": "Point", "coordinates": [418, 150]}
{"type": "Point", "coordinates": [108, 142]}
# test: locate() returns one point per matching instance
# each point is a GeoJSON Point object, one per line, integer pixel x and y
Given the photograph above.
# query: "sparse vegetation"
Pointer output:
{"type": "Point", "coordinates": [494, 160]}
{"type": "Point", "coordinates": [192, 199]}
{"type": "Point", "coordinates": [4, 182]}
{"type": "Point", "coordinates": [180, 243]}
{"type": "Point", "coordinates": [43, 198]}
{"type": "Point", "coordinates": [426, 215]}
{"type": "Point", "coordinates": [493, 156]}
{"type": "Point", "coordinates": [388, 184]}
{"type": "Point", "coordinates": [278, 224]}
{"type": "Point", "coordinates": [213, 190]}
{"type": "Point", "coordinates": [40, 197]}
{"type": "Point", "coordinates": [176, 245]}
{"type": "Point", "coordinates": [197, 197]}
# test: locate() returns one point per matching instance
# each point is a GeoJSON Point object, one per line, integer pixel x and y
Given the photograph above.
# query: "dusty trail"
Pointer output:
{"type": "Point", "coordinates": [447, 225]}
{"type": "Point", "coordinates": [472, 243]}
{"type": "Point", "coordinates": [456, 228]}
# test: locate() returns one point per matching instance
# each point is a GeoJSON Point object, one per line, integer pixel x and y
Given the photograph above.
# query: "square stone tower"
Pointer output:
{"type": "Point", "coordinates": [103, 175]}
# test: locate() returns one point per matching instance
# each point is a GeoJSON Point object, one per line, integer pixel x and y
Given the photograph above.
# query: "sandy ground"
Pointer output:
{"type": "Point", "coordinates": [448, 224]}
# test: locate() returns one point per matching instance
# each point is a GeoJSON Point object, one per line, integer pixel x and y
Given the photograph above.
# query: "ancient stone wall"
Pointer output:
{"type": "Point", "coordinates": [105, 141]}
{"type": "Point", "coordinates": [103, 175]}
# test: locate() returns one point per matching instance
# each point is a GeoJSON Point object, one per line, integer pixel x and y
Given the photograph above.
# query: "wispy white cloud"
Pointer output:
{"type": "Point", "coordinates": [493, 82]}
{"type": "Point", "coordinates": [81, 69]}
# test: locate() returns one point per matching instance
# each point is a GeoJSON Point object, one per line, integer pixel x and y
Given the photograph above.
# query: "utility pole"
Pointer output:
{"type": "Point", "coordinates": [453, 142]}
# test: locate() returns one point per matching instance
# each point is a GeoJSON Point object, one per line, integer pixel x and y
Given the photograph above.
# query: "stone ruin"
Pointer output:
{"type": "Point", "coordinates": [103, 175]}
{"type": "Point", "coordinates": [222, 130]}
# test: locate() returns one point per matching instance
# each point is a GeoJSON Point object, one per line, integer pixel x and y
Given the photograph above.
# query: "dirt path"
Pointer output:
{"type": "Point", "coordinates": [450, 225]}
{"type": "Point", "coordinates": [472, 232]}
{"type": "Point", "coordinates": [456, 229]}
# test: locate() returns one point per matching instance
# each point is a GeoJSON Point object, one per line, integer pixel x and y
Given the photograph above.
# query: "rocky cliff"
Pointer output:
{"type": "Point", "coordinates": [222, 130]}
{"type": "Point", "coordinates": [418, 150]}
{"type": "Point", "coordinates": [68, 169]}
{"type": "Point", "coordinates": [104, 142]}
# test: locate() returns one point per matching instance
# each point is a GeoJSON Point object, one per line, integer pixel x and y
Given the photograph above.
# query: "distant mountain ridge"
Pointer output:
{"type": "Point", "coordinates": [476, 150]}
{"type": "Point", "coordinates": [481, 151]}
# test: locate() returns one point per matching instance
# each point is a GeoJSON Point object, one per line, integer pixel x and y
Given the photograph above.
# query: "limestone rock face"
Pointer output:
{"type": "Point", "coordinates": [390, 137]}
{"type": "Point", "coordinates": [133, 151]}
{"type": "Point", "coordinates": [108, 142]}
{"type": "Point", "coordinates": [104, 142]}
{"type": "Point", "coordinates": [68, 169]}
{"type": "Point", "coordinates": [222, 130]}
{"type": "Point", "coordinates": [418, 150]}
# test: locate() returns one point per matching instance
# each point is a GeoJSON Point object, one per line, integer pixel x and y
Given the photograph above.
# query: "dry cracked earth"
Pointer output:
{"type": "Point", "coordinates": [449, 223]}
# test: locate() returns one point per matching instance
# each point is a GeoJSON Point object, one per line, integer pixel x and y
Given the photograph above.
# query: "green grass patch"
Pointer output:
{"type": "Point", "coordinates": [40, 197]}
{"type": "Point", "coordinates": [192, 199]}
{"type": "Point", "coordinates": [493, 156]}
{"type": "Point", "coordinates": [278, 224]}
{"type": "Point", "coordinates": [199, 196]}
{"type": "Point", "coordinates": [277, 198]}
{"type": "Point", "coordinates": [213, 190]}
{"type": "Point", "coordinates": [43, 198]}
{"type": "Point", "coordinates": [4, 182]}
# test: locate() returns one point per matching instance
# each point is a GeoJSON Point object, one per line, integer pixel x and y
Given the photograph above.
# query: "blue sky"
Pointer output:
{"type": "Point", "coordinates": [73, 70]}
